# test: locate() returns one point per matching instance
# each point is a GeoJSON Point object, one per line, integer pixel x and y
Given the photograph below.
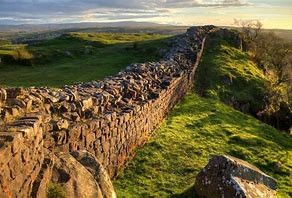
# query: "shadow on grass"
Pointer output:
{"type": "Point", "coordinates": [189, 193]}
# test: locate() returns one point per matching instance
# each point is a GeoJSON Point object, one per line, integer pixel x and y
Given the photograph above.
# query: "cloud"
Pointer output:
{"type": "Point", "coordinates": [44, 11]}
{"type": "Point", "coordinates": [203, 3]}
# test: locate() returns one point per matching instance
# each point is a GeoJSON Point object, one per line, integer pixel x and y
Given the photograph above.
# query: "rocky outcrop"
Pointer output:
{"type": "Point", "coordinates": [227, 176]}
{"type": "Point", "coordinates": [76, 180]}
{"type": "Point", "coordinates": [78, 174]}
{"type": "Point", "coordinates": [99, 173]}
{"type": "Point", "coordinates": [109, 118]}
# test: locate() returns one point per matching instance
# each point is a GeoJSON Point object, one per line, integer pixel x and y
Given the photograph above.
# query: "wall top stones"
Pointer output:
{"type": "Point", "coordinates": [136, 85]}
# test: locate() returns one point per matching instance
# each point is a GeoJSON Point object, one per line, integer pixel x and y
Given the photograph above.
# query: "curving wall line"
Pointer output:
{"type": "Point", "coordinates": [109, 118]}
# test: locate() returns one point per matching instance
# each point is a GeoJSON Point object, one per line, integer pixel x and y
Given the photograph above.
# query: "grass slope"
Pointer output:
{"type": "Point", "coordinates": [199, 128]}
{"type": "Point", "coordinates": [196, 130]}
{"type": "Point", "coordinates": [81, 57]}
{"type": "Point", "coordinates": [226, 73]}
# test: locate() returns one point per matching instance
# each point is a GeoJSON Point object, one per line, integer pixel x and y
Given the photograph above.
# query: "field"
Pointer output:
{"type": "Point", "coordinates": [82, 57]}
{"type": "Point", "coordinates": [284, 34]}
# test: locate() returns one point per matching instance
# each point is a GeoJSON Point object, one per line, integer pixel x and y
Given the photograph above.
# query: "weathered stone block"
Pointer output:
{"type": "Point", "coordinates": [14, 92]}
{"type": "Point", "coordinates": [91, 163]}
{"type": "Point", "coordinates": [3, 95]}
{"type": "Point", "coordinates": [60, 124]}
{"type": "Point", "coordinates": [87, 103]}
{"type": "Point", "coordinates": [77, 180]}
{"type": "Point", "coordinates": [227, 176]}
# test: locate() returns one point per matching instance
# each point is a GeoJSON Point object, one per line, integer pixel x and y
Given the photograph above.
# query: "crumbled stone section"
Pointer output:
{"type": "Point", "coordinates": [108, 118]}
{"type": "Point", "coordinates": [226, 176]}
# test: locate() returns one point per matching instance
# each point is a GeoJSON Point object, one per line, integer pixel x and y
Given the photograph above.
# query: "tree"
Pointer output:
{"type": "Point", "coordinates": [280, 61]}
{"type": "Point", "coordinates": [267, 50]}
{"type": "Point", "coordinates": [260, 51]}
{"type": "Point", "coordinates": [274, 56]}
{"type": "Point", "coordinates": [250, 31]}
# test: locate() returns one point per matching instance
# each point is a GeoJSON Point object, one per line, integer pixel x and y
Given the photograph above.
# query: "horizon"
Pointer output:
{"type": "Point", "coordinates": [273, 15]}
{"type": "Point", "coordinates": [144, 26]}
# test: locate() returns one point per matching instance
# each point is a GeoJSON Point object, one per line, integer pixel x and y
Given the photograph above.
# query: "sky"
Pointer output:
{"type": "Point", "coordinates": [272, 13]}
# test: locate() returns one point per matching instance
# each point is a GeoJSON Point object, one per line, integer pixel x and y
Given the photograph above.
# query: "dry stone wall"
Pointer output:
{"type": "Point", "coordinates": [109, 118]}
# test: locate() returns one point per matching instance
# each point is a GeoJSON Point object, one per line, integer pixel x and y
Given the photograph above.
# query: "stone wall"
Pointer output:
{"type": "Point", "coordinates": [109, 118]}
{"type": "Point", "coordinates": [21, 156]}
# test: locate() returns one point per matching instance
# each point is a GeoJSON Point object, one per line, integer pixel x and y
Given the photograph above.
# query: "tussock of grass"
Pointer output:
{"type": "Point", "coordinates": [196, 130]}
{"type": "Point", "coordinates": [17, 51]}
{"type": "Point", "coordinates": [82, 57]}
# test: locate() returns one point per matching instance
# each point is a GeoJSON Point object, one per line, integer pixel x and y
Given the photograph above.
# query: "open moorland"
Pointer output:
{"type": "Point", "coordinates": [77, 57]}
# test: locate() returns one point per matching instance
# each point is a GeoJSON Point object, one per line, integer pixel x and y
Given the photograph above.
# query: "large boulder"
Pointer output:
{"type": "Point", "coordinates": [226, 176]}
{"type": "Point", "coordinates": [74, 178]}
{"type": "Point", "coordinates": [90, 162]}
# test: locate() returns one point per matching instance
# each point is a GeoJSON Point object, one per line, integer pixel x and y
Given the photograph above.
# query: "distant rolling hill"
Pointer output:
{"type": "Point", "coordinates": [77, 57]}
{"type": "Point", "coordinates": [17, 33]}
{"type": "Point", "coordinates": [50, 27]}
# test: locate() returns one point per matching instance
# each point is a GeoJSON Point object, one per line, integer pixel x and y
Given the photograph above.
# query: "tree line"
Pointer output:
{"type": "Point", "coordinates": [273, 55]}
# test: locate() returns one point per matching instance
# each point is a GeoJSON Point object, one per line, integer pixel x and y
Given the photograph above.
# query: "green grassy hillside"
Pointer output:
{"type": "Point", "coordinates": [81, 57]}
{"type": "Point", "coordinates": [226, 73]}
{"type": "Point", "coordinates": [199, 128]}
{"type": "Point", "coordinates": [196, 130]}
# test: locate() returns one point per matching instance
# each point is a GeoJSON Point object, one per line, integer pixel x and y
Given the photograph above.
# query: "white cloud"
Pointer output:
{"type": "Point", "coordinates": [50, 10]}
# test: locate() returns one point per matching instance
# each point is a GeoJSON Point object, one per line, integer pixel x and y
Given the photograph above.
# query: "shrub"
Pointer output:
{"type": "Point", "coordinates": [56, 191]}
{"type": "Point", "coordinates": [22, 53]}
{"type": "Point", "coordinates": [4, 42]}
{"type": "Point", "coordinates": [19, 55]}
